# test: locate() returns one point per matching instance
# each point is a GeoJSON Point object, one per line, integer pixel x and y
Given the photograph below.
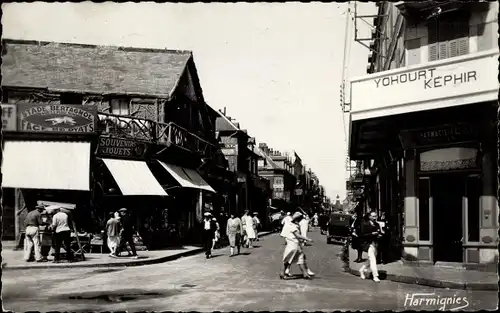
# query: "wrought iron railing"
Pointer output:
{"type": "Point", "coordinates": [155, 132]}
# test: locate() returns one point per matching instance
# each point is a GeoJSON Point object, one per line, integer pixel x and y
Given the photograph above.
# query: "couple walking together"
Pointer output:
{"type": "Point", "coordinates": [295, 241]}
{"type": "Point", "coordinates": [120, 231]}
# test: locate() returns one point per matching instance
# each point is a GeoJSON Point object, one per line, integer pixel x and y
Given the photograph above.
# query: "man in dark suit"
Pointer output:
{"type": "Point", "coordinates": [355, 229]}
{"type": "Point", "coordinates": [209, 228]}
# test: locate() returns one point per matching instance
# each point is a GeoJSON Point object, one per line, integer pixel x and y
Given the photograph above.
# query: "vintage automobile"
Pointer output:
{"type": "Point", "coordinates": [338, 228]}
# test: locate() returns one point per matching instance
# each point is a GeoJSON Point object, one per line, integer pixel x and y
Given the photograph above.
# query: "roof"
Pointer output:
{"type": "Point", "coordinates": [269, 161]}
{"type": "Point", "coordinates": [92, 69]}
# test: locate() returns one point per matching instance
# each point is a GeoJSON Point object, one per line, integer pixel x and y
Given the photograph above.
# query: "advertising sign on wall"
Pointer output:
{"type": "Point", "coordinates": [432, 85]}
{"type": "Point", "coordinates": [57, 118]}
{"type": "Point", "coordinates": [121, 148]}
{"type": "Point", "coordinates": [9, 117]}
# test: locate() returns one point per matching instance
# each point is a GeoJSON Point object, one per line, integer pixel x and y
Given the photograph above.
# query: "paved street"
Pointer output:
{"type": "Point", "coordinates": [243, 283]}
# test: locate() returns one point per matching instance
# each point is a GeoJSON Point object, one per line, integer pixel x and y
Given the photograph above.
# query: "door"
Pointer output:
{"type": "Point", "coordinates": [447, 192]}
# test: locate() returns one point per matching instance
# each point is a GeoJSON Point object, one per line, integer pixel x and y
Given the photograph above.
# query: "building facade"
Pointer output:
{"type": "Point", "coordinates": [423, 122]}
{"type": "Point", "coordinates": [153, 124]}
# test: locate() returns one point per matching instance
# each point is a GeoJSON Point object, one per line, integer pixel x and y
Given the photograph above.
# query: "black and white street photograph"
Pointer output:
{"type": "Point", "coordinates": [293, 156]}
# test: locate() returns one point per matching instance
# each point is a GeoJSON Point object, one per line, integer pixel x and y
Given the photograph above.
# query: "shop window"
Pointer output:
{"type": "Point", "coordinates": [71, 98]}
{"type": "Point", "coordinates": [473, 193]}
{"type": "Point", "coordinates": [448, 36]}
{"type": "Point", "coordinates": [423, 209]}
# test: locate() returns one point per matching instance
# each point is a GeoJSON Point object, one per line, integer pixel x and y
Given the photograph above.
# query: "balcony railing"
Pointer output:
{"type": "Point", "coordinates": [162, 133]}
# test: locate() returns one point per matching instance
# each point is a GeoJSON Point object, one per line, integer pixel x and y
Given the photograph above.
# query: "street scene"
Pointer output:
{"type": "Point", "coordinates": [198, 157]}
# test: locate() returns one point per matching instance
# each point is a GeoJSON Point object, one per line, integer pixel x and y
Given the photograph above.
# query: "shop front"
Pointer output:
{"type": "Point", "coordinates": [431, 131]}
{"type": "Point", "coordinates": [124, 179]}
{"type": "Point", "coordinates": [47, 158]}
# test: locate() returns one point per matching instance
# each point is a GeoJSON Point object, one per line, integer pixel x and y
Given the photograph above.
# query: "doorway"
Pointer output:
{"type": "Point", "coordinates": [447, 191]}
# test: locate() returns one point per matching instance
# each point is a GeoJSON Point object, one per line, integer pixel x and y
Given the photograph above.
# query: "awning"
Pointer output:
{"type": "Point", "coordinates": [134, 178]}
{"type": "Point", "coordinates": [188, 178]}
{"type": "Point", "coordinates": [46, 165]}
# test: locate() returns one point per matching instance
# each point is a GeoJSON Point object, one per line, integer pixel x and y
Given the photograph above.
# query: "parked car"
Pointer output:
{"type": "Point", "coordinates": [338, 228]}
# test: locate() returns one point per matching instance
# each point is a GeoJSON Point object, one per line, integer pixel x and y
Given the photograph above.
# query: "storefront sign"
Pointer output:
{"type": "Point", "coordinates": [9, 117]}
{"type": "Point", "coordinates": [57, 118]}
{"type": "Point", "coordinates": [440, 135]}
{"type": "Point", "coordinates": [121, 148]}
{"type": "Point", "coordinates": [432, 85]}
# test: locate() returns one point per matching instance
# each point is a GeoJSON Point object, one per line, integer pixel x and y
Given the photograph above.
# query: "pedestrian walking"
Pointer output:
{"type": "Point", "coordinates": [370, 234]}
{"type": "Point", "coordinates": [287, 219]}
{"type": "Point", "coordinates": [304, 226]}
{"type": "Point", "coordinates": [384, 241]}
{"type": "Point", "coordinates": [209, 228]}
{"type": "Point", "coordinates": [126, 233]}
{"type": "Point", "coordinates": [315, 220]}
{"type": "Point", "coordinates": [234, 232]}
{"type": "Point", "coordinates": [32, 237]}
{"type": "Point", "coordinates": [247, 221]}
{"type": "Point", "coordinates": [62, 235]}
{"type": "Point", "coordinates": [256, 225]}
{"type": "Point", "coordinates": [323, 222]}
{"type": "Point", "coordinates": [216, 234]}
{"type": "Point", "coordinates": [293, 251]}
{"type": "Point", "coordinates": [355, 229]}
{"type": "Point", "coordinates": [113, 228]}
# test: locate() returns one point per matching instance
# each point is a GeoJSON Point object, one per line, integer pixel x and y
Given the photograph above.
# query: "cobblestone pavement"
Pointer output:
{"type": "Point", "coordinates": [248, 282]}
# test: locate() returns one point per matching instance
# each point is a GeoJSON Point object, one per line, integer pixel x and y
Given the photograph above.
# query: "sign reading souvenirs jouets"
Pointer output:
{"type": "Point", "coordinates": [57, 118]}
{"type": "Point", "coordinates": [9, 117]}
{"type": "Point", "coordinates": [444, 83]}
{"type": "Point", "coordinates": [121, 148]}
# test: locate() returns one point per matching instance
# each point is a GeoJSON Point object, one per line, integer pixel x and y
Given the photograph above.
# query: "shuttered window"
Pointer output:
{"type": "Point", "coordinates": [448, 36]}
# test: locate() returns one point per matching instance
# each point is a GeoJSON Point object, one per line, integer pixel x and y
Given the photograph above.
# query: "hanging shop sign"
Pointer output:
{"type": "Point", "coordinates": [57, 118]}
{"type": "Point", "coordinates": [121, 148]}
{"type": "Point", "coordinates": [9, 117]}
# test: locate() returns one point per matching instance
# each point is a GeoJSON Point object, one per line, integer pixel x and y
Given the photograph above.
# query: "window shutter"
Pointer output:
{"type": "Point", "coordinates": [443, 50]}
{"type": "Point", "coordinates": [453, 48]}
{"type": "Point", "coordinates": [463, 46]}
{"type": "Point", "coordinates": [433, 53]}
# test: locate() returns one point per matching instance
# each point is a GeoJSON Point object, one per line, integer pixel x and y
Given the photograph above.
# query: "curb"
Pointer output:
{"type": "Point", "coordinates": [435, 283]}
{"type": "Point", "coordinates": [150, 261]}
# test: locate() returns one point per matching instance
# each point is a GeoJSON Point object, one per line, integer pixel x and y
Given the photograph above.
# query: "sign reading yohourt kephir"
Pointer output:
{"type": "Point", "coordinates": [9, 117]}
{"type": "Point", "coordinates": [57, 118]}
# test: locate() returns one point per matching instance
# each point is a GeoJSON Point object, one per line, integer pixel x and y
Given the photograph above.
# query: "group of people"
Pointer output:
{"type": "Point", "coordinates": [366, 236]}
{"type": "Point", "coordinates": [120, 232]}
{"type": "Point", "coordinates": [61, 234]}
{"type": "Point", "coordinates": [294, 231]}
{"type": "Point", "coordinates": [239, 231]}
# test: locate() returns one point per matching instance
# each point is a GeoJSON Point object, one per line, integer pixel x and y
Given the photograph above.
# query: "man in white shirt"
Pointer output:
{"type": "Point", "coordinates": [62, 235]}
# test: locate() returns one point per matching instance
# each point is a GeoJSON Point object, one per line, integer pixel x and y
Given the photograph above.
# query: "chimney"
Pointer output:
{"type": "Point", "coordinates": [224, 110]}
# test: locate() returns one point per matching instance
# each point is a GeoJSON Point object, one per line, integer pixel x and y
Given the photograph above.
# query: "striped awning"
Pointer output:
{"type": "Point", "coordinates": [46, 165]}
{"type": "Point", "coordinates": [186, 177]}
{"type": "Point", "coordinates": [134, 178]}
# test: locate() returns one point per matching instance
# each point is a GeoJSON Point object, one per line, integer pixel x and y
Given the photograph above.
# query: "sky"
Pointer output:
{"type": "Point", "coordinates": [276, 68]}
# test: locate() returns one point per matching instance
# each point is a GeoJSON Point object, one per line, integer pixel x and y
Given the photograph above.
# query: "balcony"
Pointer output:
{"type": "Point", "coordinates": [168, 134]}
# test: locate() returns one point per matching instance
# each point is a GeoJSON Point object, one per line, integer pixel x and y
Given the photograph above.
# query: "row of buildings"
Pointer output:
{"type": "Point", "coordinates": [423, 130]}
{"type": "Point", "coordinates": [99, 128]}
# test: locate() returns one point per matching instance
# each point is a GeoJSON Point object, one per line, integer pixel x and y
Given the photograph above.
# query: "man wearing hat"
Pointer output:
{"type": "Point", "coordinates": [62, 234]}
{"type": "Point", "coordinates": [32, 238]}
{"type": "Point", "coordinates": [127, 232]}
{"type": "Point", "coordinates": [209, 228]}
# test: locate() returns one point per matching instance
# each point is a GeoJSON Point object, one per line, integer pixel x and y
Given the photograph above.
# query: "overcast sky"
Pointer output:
{"type": "Point", "coordinates": [275, 67]}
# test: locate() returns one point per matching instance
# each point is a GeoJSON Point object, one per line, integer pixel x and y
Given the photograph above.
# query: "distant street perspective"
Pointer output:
{"type": "Point", "coordinates": [248, 282]}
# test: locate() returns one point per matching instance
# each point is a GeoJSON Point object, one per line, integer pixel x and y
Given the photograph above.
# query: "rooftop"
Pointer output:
{"type": "Point", "coordinates": [92, 69]}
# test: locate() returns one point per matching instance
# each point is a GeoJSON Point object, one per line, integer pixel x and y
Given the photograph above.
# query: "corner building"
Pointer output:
{"type": "Point", "coordinates": [423, 121]}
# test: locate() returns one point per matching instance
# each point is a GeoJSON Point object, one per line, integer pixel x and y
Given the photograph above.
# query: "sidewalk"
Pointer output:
{"type": "Point", "coordinates": [433, 276]}
{"type": "Point", "coordinates": [13, 260]}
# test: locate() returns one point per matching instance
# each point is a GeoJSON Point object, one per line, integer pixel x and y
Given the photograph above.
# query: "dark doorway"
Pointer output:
{"type": "Point", "coordinates": [447, 192]}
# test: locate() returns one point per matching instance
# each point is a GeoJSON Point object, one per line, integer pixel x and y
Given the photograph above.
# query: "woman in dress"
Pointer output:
{"type": "Point", "coordinates": [247, 220]}
{"type": "Point", "coordinates": [234, 232]}
{"type": "Point", "coordinates": [217, 233]}
{"type": "Point", "coordinates": [293, 251]}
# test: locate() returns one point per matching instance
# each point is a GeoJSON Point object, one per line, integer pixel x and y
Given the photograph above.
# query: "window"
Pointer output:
{"type": "Point", "coordinates": [120, 106]}
{"type": "Point", "coordinates": [423, 209]}
{"type": "Point", "coordinates": [448, 36]}
{"type": "Point", "coordinates": [71, 98]}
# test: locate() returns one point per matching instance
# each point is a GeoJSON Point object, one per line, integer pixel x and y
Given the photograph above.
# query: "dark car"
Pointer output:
{"type": "Point", "coordinates": [338, 228]}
